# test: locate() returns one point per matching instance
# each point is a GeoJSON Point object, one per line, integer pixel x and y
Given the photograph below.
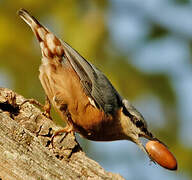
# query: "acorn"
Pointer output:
{"type": "Point", "coordinates": [161, 155]}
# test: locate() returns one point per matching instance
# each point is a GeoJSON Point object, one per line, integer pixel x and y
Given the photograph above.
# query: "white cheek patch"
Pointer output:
{"type": "Point", "coordinates": [92, 102]}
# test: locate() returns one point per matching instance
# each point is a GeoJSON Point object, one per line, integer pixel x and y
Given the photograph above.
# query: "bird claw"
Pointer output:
{"type": "Point", "coordinates": [47, 114]}
{"type": "Point", "coordinates": [66, 130]}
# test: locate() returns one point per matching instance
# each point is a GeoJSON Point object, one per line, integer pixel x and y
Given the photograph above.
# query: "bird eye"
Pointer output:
{"type": "Point", "coordinates": [139, 123]}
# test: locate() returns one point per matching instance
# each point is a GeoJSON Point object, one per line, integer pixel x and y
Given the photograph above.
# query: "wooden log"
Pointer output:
{"type": "Point", "coordinates": [26, 151]}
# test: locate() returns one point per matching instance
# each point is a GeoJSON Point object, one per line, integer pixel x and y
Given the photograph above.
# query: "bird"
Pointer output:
{"type": "Point", "coordinates": [82, 95]}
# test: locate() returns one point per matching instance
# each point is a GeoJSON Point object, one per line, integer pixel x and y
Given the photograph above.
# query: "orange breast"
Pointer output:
{"type": "Point", "coordinates": [61, 82]}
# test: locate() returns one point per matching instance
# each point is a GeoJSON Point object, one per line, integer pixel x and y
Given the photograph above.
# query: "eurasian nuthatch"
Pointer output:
{"type": "Point", "coordinates": [82, 94]}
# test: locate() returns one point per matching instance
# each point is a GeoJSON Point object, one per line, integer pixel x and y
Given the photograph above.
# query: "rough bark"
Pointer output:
{"type": "Point", "coordinates": [26, 151]}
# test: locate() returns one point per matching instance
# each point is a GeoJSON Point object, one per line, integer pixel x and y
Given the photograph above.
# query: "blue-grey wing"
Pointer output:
{"type": "Point", "coordinates": [94, 82]}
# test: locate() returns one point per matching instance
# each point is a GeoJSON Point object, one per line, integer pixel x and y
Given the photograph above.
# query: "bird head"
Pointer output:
{"type": "Point", "coordinates": [133, 124]}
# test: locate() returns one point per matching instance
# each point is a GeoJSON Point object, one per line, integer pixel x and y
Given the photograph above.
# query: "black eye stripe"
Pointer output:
{"type": "Point", "coordinates": [137, 122]}
{"type": "Point", "coordinates": [127, 112]}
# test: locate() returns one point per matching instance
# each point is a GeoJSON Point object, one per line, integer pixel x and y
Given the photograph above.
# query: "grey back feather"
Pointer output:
{"type": "Point", "coordinates": [94, 82]}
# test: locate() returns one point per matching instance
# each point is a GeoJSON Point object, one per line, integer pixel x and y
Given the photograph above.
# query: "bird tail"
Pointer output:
{"type": "Point", "coordinates": [34, 24]}
{"type": "Point", "coordinates": [50, 45]}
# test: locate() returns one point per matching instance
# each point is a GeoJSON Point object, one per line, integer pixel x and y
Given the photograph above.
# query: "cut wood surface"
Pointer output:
{"type": "Point", "coordinates": [26, 152]}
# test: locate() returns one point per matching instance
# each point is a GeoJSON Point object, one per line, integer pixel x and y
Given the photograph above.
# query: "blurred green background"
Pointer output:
{"type": "Point", "coordinates": [144, 47]}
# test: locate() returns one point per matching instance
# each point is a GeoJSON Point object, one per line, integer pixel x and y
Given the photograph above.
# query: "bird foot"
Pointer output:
{"type": "Point", "coordinates": [66, 130]}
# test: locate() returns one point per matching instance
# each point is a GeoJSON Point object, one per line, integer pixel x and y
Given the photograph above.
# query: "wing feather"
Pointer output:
{"type": "Point", "coordinates": [94, 82]}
